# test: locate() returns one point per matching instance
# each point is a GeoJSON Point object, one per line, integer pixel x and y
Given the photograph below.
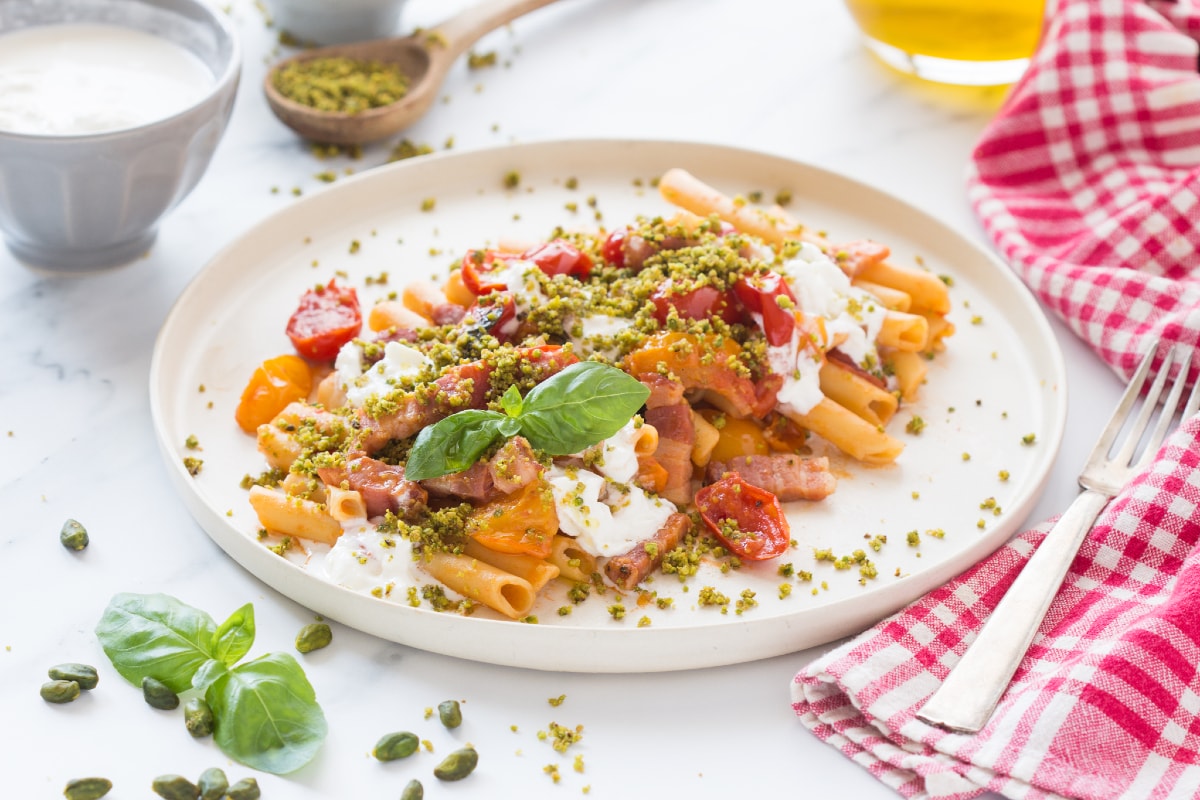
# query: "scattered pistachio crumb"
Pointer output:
{"type": "Point", "coordinates": [428, 203]}
{"type": "Point", "coordinates": [1028, 438]}
{"type": "Point", "coordinates": [1003, 475]}
{"type": "Point", "coordinates": [556, 701]}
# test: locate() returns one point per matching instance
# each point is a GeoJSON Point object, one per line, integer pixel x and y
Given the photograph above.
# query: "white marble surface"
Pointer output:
{"type": "Point", "coordinates": [76, 440]}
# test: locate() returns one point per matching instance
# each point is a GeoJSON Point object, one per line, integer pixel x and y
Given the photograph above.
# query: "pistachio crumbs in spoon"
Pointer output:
{"type": "Point", "coordinates": [348, 109]}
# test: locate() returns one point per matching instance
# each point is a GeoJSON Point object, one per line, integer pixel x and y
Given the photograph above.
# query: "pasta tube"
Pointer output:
{"type": "Point", "coordinates": [498, 590]}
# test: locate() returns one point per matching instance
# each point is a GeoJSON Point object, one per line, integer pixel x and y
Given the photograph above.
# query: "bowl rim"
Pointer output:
{"type": "Point", "coordinates": [221, 84]}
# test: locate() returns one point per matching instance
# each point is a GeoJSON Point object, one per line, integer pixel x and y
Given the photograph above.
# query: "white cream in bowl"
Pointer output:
{"type": "Point", "coordinates": [85, 78]}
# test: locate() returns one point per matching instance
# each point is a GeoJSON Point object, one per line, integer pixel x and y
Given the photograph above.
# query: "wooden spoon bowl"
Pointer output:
{"type": "Point", "coordinates": [423, 57]}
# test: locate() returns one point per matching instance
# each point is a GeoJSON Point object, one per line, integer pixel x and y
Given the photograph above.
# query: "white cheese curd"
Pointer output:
{"type": "Point", "coordinates": [618, 458]}
{"type": "Point", "coordinates": [852, 317]}
{"type": "Point", "coordinates": [520, 277]}
{"type": "Point", "coordinates": [78, 79]}
{"type": "Point", "coordinates": [399, 361]}
{"type": "Point", "coordinates": [596, 333]}
{"type": "Point", "coordinates": [363, 559]}
{"type": "Point", "coordinates": [608, 527]}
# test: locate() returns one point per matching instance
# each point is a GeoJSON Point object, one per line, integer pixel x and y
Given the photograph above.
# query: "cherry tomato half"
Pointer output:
{"type": "Point", "coordinates": [613, 249]}
{"type": "Point", "coordinates": [761, 295]}
{"type": "Point", "coordinates": [698, 304]}
{"type": "Point", "coordinates": [748, 520]}
{"type": "Point", "coordinates": [273, 385]}
{"type": "Point", "coordinates": [497, 317]}
{"type": "Point", "coordinates": [476, 265]}
{"type": "Point", "coordinates": [522, 523]}
{"type": "Point", "coordinates": [560, 258]}
{"type": "Point", "coordinates": [328, 317]}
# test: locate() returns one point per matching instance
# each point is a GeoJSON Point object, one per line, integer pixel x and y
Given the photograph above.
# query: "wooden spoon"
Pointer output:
{"type": "Point", "coordinates": [425, 57]}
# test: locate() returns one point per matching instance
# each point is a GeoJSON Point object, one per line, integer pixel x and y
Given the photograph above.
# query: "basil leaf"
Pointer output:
{"type": "Point", "coordinates": [511, 401]}
{"type": "Point", "coordinates": [208, 674]}
{"type": "Point", "coordinates": [235, 636]}
{"type": "Point", "coordinates": [267, 714]}
{"type": "Point", "coordinates": [584, 404]}
{"type": "Point", "coordinates": [452, 444]}
{"type": "Point", "coordinates": [157, 636]}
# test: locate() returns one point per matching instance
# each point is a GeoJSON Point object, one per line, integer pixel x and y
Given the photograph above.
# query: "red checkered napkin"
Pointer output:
{"type": "Point", "coordinates": [1088, 181]}
{"type": "Point", "coordinates": [1105, 704]}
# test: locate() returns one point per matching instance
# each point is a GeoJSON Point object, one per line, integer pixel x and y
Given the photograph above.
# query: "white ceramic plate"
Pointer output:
{"type": "Point", "coordinates": [1001, 379]}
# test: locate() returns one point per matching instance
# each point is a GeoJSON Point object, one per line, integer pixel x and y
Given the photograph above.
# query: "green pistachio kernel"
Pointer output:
{"type": "Point", "coordinates": [175, 787]}
{"type": "Point", "coordinates": [392, 746]}
{"type": "Point", "coordinates": [245, 789]}
{"type": "Point", "coordinates": [87, 788]}
{"type": "Point", "coordinates": [73, 535]}
{"type": "Point", "coordinates": [158, 694]}
{"type": "Point", "coordinates": [60, 691]}
{"type": "Point", "coordinates": [198, 717]}
{"type": "Point", "coordinates": [313, 637]}
{"type": "Point", "coordinates": [457, 765]}
{"type": "Point", "coordinates": [213, 784]}
{"type": "Point", "coordinates": [413, 791]}
{"type": "Point", "coordinates": [82, 674]}
{"type": "Point", "coordinates": [450, 714]}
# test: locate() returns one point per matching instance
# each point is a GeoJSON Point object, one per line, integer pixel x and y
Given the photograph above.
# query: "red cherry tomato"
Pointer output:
{"type": "Point", "coordinates": [499, 318]}
{"type": "Point", "coordinates": [560, 258]}
{"type": "Point", "coordinates": [698, 304]}
{"type": "Point", "coordinates": [760, 295]}
{"type": "Point", "coordinates": [613, 249]}
{"type": "Point", "coordinates": [748, 520]}
{"type": "Point", "coordinates": [476, 265]}
{"type": "Point", "coordinates": [327, 318]}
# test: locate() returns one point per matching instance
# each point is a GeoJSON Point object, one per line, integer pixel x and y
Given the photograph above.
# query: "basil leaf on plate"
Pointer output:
{"type": "Point", "coordinates": [267, 713]}
{"type": "Point", "coordinates": [454, 443]}
{"type": "Point", "coordinates": [584, 404]}
{"type": "Point", "coordinates": [154, 635]}
{"type": "Point", "coordinates": [235, 636]}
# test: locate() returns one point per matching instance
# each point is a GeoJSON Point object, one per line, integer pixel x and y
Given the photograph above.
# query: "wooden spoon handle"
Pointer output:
{"type": "Point", "coordinates": [467, 27]}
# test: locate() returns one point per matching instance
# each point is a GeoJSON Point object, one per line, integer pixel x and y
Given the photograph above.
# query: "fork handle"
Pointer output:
{"type": "Point", "coordinates": [967, 697]}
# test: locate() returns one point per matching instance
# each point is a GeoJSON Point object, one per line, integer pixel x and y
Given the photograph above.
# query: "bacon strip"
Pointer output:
{"type": "Point", "coordinates": [383, 486]}
{"type": "Point", "coordinates": [513, 467]}
{"type": "Point", "coordinates": [788, 477]}
{"type": "Point", "coordinates": [629, 569]}
{"type": "Point", "coordinates": [839, 359]}
{"type": "Point", "coordinates": [676, 435]}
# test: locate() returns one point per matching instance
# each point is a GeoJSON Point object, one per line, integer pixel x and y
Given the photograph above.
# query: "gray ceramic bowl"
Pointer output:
{"type": "Point", "coordinates": [87, 202]}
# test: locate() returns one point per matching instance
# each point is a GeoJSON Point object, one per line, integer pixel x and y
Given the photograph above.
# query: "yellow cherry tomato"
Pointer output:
{"type": "Point", "coordinates": [524, 522]}
{"type": "Point", "coordinates": [738, 437]}
{"type": "Point", "coordinates": [275, 383]}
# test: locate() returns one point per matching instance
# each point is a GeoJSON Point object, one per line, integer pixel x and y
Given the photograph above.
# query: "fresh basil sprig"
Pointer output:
{"type": "Point", "coordinates": [266, 711]}
{"type": "Point", "coordinates": [572, 410]}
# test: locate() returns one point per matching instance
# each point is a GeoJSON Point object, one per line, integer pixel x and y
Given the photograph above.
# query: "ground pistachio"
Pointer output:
{"type": "Point", "coordinates": [73, 535]}
{"type": "Point", "coordinates": [313, 637]}
{"type": "Point", "coordinates": [82, 674]}
{"type": "Point", "coordinates": [158, 694]}
{"type": "Point", "coordinates": [450, 714]}
{"type": "Point", "coordinates": [413, 790]}
{"type": "Point", "coordinates": [392, 746]}
{"type": "Point", "coordinates": [245, 789]}
{"type": "Point", "coordinates": [198, 718]}
{"type": "Point", "coordinates": [213, 784]}
{"type": "Point", "coordinates": [60, 691]}
{"type": "Point", "coordinates": [457, 765]}
{"type": "Point", "coordinates": [175, 787]}
{"type": "Point", "coordinates": [87, 788]}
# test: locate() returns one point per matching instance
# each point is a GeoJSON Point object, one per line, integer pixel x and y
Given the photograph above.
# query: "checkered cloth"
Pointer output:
{"type": "Point", "coordinates": [1088, 181]}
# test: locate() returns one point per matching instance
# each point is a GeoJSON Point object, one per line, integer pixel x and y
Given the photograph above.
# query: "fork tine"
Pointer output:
{"type": "Point", "coordinates": [1193, 403]}
{"type": "Point", "coordinates": [1167, 416]}
{"type": "Point", "coordinates": [1125, 455]}
{"type": "Point", "coordinates": [1100, 451]}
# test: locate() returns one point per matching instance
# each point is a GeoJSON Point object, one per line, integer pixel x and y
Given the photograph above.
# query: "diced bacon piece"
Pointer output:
{"type": "Point", "coordinates": [629, 569]}
{"type": "Point", "coordinates": [473, 483]}
{"type": "Point", "coordinates": [663, 390]}
{"type": "Point", "coordinates": [840, 359]}
{"type": "Point", "coordinates": [674, 453]}
{"type": "Point", "coordinates": [788, 477]}
{"type": "Point", "coordinates": [383, 486]}
{"type": "Point", "coordinates": [514, 466]}
{"type": "Point", "coordinates": [447, 314]}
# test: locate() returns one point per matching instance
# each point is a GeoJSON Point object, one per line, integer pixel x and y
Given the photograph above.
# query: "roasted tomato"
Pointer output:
{"type": "Point", "coordinates": [698, 304]}
{"type": "Point", "coordinates": [497, 317]}
{"type": "Point", "coordinates": [613, 249]}
{"type": "Point", "coordinates": [274, 384]}
{"type": "Point", "coordinates": [476, 265]}
{"type": "Point", "coordinates": [560, 258]}
{"type": "Point", "coordinates": [770, 296]}
{"type": "Point", "coordinates": [328, 317]}
{"type": "Point", "coordinates": [524, 522]}
{"type": "Point", "coordinates": [748, 520]}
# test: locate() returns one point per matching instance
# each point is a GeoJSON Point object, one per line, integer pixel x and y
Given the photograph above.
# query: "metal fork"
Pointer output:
{"type": "Point", "coordinates": [967, 697]}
